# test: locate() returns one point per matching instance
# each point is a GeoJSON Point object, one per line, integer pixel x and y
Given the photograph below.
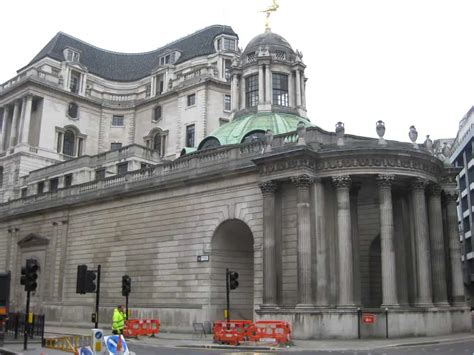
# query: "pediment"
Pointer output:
{"type": "Point", "coordinates": [33, 239]}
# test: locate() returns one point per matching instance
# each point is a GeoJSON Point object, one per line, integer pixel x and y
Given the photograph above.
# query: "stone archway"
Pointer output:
{"type": "Point", "coordinates": [375, 273]}
{"type": "Point", "coordinates": [232, 247]}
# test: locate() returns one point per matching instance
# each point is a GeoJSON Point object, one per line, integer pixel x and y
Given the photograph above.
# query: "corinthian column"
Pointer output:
{"type": "Point", "coordinates": [298, 88]}
{"type": "Point", "coordinates": [261, 81]}
{"type": "Point", "coordinates": [3, 136]}
{"type": "Point", "coordinates": [424, 296]}
{"type": "Point", "coordinates": [268, 85]}
{"type": "Point", "coordinates": [345, 294]}
{"type": "Point", "coordinates": [438, 260]}
{"type": "Point", "coordinates": [269, 255]}
{"type": "Point", "coordinates": [322, 284]}
{"type": "Point", "coordinates": [389, 271]}
{"type": "Point", "coordinates": [305, 290]}
{"type": "Point", "coordinates": [14, 128]}
{"type": "Point", "coordinates": [235, 93]}
{"type": "Point", "coordinates": [26, 119]}
{"type": "Point", "coordinates": [457, 287]}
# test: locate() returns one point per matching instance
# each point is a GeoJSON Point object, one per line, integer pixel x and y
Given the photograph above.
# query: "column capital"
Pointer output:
{"type": "Point", "coordinates": [419, 184]}
{"type": "Point", "coordinates": [434, 190]}
{"type": "Point", "coordinates": [268, 187]}
{"type": "Point", "coordinates": [451, 195]}
{"type": "Point", "coordinates": [385, 180]}
{"type": "Point", "coordinates": [342, 181]}
{"type": "Point", "coordinates": [302, 181]}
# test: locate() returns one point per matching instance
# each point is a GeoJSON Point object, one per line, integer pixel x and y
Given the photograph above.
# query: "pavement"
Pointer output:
{"type": "Point", "coordinates": [186, 340]}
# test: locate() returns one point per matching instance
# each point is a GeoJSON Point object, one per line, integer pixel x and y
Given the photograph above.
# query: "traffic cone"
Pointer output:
{"type": "Point", "coordinates": [119, 343]}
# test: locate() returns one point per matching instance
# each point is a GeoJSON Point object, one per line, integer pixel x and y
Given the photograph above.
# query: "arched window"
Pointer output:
{"type": "Point", "coordinates": [68, 142]}
{"type": "Point", "coordinates": [157, 142]}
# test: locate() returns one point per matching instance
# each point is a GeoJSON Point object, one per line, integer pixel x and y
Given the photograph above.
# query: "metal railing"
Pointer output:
{"type": "Point", "coordinates": [15, 326]}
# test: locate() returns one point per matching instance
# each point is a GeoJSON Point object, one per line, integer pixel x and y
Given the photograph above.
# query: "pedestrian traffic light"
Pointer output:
{"type": "Point", "coordinates": [233, 280]}
{"type": "Point", "coordinates": [90, 281]}
{"type": "Point", "coordinates": [81, 279]}
{"type": "Point", "coordinates": [126, 285]}
{"type": "Point", "coordinates": [29, 275]}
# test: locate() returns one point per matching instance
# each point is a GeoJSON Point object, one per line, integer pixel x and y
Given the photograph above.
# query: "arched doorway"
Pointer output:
{"type": "Point", "coordinates": [375, 273]}
{"type": "Point", "coordinates": [232, 247]}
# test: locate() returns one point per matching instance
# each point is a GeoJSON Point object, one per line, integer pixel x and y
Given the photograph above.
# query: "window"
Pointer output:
{"type": "Point", "coordinates": [156, 140]}
{"type": "Point", "coordinates": [100, 174]}
{"type": "Point", "coordinates": [72, 56]}
{"type": "Point", "coordinates": [53, 184]}
{"type": "Point", "coordinates": [74, 82]}
{"type": "Point", "coordinates": [227, 103]}
{"type": "Point", "coordinates": [251, 94]}
{"type": "Point", "coordinates": [117, 121]}
{"type": "Point", "coordinates": [229, 44]}
{"type": "Point", "coordinates": [191, 99]}
{"type": "Point", "coordinates": [190, 136]}
{"type": "Point", "coordinates": [122, 168]}
{"type": "Point", "coordinates": [72, 110]}
{"type": "Point", "coordinates": [157, 113]}
{"type": "Point", "coordinates": [40, 187]}
{"type": "Point", "coordinates": [226, 64]}
{"type": "Point", "coordinates": [115, 146]}
{"type": "Point", "coordinates": [161, 84]}
{"type": "Point", "coordinates": [68, 143]}
{"type": "Point", "coordinates": [24, 191]}
{"type": "Point", "coordinates": [167, 59]}
{"type": "Point", "coordinates": [67, 180]}
{"type": "Point", "coordinates": [280, 89]}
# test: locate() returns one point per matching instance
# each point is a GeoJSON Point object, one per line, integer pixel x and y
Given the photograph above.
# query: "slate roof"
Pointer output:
{"type": "Point", "coordinates": [131, 66]}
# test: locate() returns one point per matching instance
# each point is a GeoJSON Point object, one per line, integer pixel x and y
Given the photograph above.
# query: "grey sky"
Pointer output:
{"type": "Point", "coordinates": [402, 61]}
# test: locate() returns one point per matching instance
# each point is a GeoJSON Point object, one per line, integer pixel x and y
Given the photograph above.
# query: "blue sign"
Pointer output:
{"type": "Point", "coordinates": [98, 335]}
{"type": "Point", "coordinates": [111, 344]}
{"type": "Point", "coordinates": [85, 351]}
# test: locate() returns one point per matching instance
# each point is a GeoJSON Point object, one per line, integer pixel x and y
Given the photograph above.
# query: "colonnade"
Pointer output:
{"type": "Point", "coordinates": [429, 244]}
{"type": "Point", "coordinates": [16, 116]}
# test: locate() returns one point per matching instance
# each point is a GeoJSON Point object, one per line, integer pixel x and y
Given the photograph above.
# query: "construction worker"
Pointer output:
{"type": "Point", "coordinates": [118, 320]}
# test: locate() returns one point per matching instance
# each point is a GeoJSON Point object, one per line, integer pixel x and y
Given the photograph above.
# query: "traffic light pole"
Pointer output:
{"type": "Point", "coordinates": [227, 311]}
{"type": "Point", "coordinates": [126, 307]}
{"type": "Point", "coordinates": [97, 296]}
{"type": "Point", "coordinates": [26, 327]}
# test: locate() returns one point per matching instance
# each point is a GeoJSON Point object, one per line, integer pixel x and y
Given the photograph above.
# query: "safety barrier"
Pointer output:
{"type": "Point", "coordinates": [139, 327]}
{"type": "Point", "coordinates": [68, 344]}
{"type": "Point", "coordinates": [232, 332]}
{"type": "Point", "coordinates": [236, 331]}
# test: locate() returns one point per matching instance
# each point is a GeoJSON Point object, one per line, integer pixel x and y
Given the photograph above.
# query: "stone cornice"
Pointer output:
{"type": "Point", "coordinates": [32, 240]}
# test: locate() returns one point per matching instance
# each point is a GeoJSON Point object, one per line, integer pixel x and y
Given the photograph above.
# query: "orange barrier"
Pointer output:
{"type": "Point", "coordinates": [270, 331]}
{"type": "Point", "coordinates": [232, 332]}
{"type": "Point", "coordinates": [139, 327]}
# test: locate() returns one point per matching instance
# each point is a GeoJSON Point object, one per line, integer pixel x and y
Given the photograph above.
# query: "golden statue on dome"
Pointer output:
{"type": "Point", "coordinates": [268, 11]}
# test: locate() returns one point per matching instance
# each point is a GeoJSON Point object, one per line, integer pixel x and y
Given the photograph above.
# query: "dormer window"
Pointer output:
{"type": "Point", "coordinates": [168, 58]}
{"type": "Point", "coordinates": [71, 55]}
{"type": "Point", "coordinates": [226, 44]}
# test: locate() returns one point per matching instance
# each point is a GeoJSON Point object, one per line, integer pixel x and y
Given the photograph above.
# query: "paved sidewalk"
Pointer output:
{"type": "Point", "coordinates": [164, 339]}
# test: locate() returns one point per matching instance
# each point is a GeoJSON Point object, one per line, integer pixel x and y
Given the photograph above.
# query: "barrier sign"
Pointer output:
{"type": "Point", "coordinates": [368, 318]}
{"type": "Point", "coordinates": [85, 351]}
{"type": "Point", "coordinates": [116, 345]}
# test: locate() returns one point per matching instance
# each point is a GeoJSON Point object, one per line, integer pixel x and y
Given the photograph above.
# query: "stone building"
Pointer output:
{"type": "Point", "coordinates": [318, 224]}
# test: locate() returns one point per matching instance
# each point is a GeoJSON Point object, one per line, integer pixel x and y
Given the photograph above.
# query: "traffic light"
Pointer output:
{"type": "Point", "coordinates": [90, 281]}
{"type": "Point", "coordinates": [81, 279]}
{"type": "Point", "coordinates": [126, 285]}
{"type": "Point", "coordinates": [233, 280]}
{"type": "Point", "coordinates": [29, 275]}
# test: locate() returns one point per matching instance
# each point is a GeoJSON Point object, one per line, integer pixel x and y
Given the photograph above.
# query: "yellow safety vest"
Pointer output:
{"type": "Point", "coordinates": [118, 320]}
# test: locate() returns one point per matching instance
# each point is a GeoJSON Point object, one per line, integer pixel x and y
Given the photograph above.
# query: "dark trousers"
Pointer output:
{"type": "Point", "coordinates": [117, 332]}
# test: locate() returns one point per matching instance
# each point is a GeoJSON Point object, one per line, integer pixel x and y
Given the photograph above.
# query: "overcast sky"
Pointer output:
{"type": "Point", "coordinates": [406, 62]}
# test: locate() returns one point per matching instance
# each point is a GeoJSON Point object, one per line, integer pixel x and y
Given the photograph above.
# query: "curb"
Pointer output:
{"type": "Point", "coordinates": [227, 347]}
{"type": "Point", "coordinates": [8, 352]}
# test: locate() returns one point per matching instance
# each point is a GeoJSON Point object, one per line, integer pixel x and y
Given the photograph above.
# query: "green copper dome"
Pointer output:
{"type": "Point", "coordinates": [250, 126]}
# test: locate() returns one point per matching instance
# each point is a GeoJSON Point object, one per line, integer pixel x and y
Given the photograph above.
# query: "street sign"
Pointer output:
{"type": "Point", "coordinates": [111, 345]}
{"type": "Point", "coordinates": [368, 318]}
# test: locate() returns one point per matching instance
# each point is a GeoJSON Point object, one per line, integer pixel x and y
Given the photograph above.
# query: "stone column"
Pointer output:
{"type": "Point", "coordinates": [242, 92]}
{"type": "Point", "coordinates": [303, 90]}
{"type": "Point", "coordinates": [14, 127]}
{"type": "Point", "coordinates": [322, 284]}
{"type": "Point", "coordinates": [62, 234]}
{"type": "Point", "coordinates": [235, 93]}
{"type": "Point", "coordinates": [3, 136]}
{"type": "Point", "coordinates": [298, 88]}
{"type": "Point", "coordinates": [345, 294]}
{"type": "Point", "coordinates": [303, 207]}
{"type": "Point", "coordinates": [354, 194]}
{"type": "Point", "coordinates": [269, 243]}
{"type": "Point", "coordinates": [438, 260]}
{"type": "Point", "coordinates": [389, 270]}
{"type": "Point", "coordinates": [457, 286]}
{"type": "Point", "coordinates": [261, 88]}
{"type": "Point", "coordinates": [291, 89]}
{"type": "Point", "coordinates": [424, 296]}
{"type": "Point", "coordinates": [26, 119]}
{"type": "Point", "coordinates": [268, 85]}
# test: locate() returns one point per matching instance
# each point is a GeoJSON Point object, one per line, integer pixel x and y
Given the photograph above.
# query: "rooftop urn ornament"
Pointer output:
{"type": "Point", "coordinates": [428, 144]}
{"type": "Point", "coordinates": [268, 140]}
{"type": "Point", "coordinates": [268, 11]}
{"type": "Point", "coordinates": [301, 130]}
{"type": "Point", "coordinates": [340, 133]}
{"type": "Point", "coordinates": [446, 150]}
{"type": "Point", "coordinates": [413, 134]}
{"type": "Point", "coordinates": [380, 128]}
